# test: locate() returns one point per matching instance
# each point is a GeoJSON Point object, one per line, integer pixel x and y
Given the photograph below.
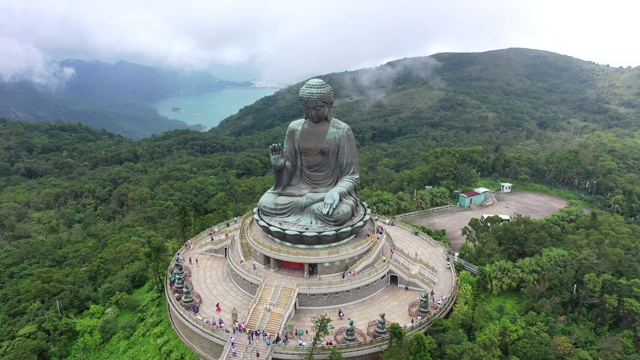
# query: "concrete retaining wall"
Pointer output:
{"type": "Point", "coordinates": [342, 297]}
{"type": "Point", "coordinates": [206, 343]}
{"type": "Point", "coordinates": [245, 284]}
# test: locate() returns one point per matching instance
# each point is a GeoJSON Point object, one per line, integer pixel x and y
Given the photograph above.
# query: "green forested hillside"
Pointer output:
{"type": "Point", "coordinates": [533, 115]}
{"type": "Point", "coordinates": [89, 219]}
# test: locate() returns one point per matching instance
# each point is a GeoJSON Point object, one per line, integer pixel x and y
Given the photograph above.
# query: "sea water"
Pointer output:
{"type": "Point", "coordinates": [209, 108]}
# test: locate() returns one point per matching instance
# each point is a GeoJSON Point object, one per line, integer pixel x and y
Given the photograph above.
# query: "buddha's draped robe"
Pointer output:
{"type": "Point", "coordinates": [334, 167]}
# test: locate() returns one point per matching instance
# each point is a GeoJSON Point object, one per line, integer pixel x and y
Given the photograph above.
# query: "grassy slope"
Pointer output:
{"type": "Point", "coordinates": [143, 330]}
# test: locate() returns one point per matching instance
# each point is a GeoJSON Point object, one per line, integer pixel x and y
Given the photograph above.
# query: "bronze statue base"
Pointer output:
{"type": "Point", "coordinates": [313, 235]}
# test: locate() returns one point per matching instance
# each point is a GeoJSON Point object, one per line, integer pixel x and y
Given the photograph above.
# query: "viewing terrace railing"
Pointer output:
{"type": "Point", "coordinates": [290, 311]}
{"type": "Point", "coordinates": [415, 277]}
{"type": "Point", "coordinates": [226, 226]}
{"type": "Point", "coordinates": [426, 211]}
{"type": "Point", "coordinates": [438, 244]}
{"type": "Point", "coordinates": [245, 253]}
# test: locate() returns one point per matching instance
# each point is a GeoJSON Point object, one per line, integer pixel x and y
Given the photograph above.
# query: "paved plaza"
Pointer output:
{"type": "Point", "coordinates": [536, 205]}
{"type": "Point", "coordinates": [210, 276]}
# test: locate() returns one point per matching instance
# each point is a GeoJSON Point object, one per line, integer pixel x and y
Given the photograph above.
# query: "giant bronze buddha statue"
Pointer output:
{"type": "Point", "coordinates": [316, 170]}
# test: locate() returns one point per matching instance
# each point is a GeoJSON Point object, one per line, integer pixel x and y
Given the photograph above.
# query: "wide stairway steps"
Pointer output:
{"type": "Point", "coordinates": [273, 302]}
{"type": "Point", "coordinates": [263, 301]}
{"type": "Point", "coordinates": [241, 347]}
{"type": "Point", "coordinates": [285, 297]}
{"type": "Point", "coordinates": [278, 311]}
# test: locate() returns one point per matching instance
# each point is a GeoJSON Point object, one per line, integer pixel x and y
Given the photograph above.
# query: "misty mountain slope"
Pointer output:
{"type": "Point", "coordinates": [115, 98]}
{"type": "Point", "coordinates": [125, 80]}
{"type": "Point", "coordinates": [134, 119]}
{"type": "Point", "coordinates": [448, 99]}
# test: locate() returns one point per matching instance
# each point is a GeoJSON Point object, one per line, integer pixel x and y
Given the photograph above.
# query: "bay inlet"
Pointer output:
{"type": "Point", "coordinates": [208, 109]}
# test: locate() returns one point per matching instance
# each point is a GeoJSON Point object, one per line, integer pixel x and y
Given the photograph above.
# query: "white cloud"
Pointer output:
{"type": "Point", "coordinates": [25, 62]}
{"type": "Point", "coordinates": [293, 40]}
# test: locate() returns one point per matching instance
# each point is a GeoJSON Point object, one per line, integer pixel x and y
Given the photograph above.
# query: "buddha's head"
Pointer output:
{"type": "Point", "coordinates": [317, 99]}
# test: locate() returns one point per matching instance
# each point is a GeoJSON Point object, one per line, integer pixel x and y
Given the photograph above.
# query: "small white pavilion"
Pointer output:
{"type": "Point", "coordinates": [505, 187]}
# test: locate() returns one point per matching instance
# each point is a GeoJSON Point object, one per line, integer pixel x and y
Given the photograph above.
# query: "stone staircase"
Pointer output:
{"type": "Point", "coordinates": [241, 347]}
{"type": "Point", "coordinates": [280, 305]}
{"type": "Point", "coordinates": [258, 310]}
{"type": "Point", "coordinates": [273, 302]}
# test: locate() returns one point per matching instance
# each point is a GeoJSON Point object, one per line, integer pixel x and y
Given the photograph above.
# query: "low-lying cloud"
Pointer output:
{"type": "Point", "coordinates": [24, 62]}
{"type": "Point", "coordinates": [289, 41]}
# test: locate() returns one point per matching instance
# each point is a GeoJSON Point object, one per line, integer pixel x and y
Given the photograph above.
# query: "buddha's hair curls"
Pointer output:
{"type": "Point", "coordinates": [316, 89]}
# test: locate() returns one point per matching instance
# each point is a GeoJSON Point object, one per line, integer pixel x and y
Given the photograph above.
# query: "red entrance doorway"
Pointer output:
{"type": "Point", "coordinates": [292, 264]}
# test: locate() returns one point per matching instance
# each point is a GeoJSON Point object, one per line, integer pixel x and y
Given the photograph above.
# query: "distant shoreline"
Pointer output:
{"type": "Point", "coordinates": [209, 108]}
{"type": "Point", "coordinates": [191, 93]}
{"type": "Point", "coordinates": [253, 87]}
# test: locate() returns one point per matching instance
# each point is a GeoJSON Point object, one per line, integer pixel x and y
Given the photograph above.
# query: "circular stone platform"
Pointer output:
{"type": "Point", "coordinates": [267, 282]}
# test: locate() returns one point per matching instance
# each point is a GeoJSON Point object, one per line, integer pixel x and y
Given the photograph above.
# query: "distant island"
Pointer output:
{"type": "Point", "coordinates": [177, 109]}
{"type": "Point", "coordinates": [266, 84]}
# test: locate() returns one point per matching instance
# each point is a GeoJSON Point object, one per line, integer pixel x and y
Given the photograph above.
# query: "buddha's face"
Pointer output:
{"type": "Point", "coordinates": [316, 111]}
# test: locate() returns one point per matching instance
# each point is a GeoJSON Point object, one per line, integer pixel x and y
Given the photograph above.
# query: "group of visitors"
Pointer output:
{"type": "Point", "coordinates": [267, 338]}
{"type": "Point", "coordinates": [240, 327]}
{"type": "Point", "coordinates": [348, 274]}
{"type": "Point", "coordinates": [216, 323]}
{"type": "Point", "coordinates": [254, 336]}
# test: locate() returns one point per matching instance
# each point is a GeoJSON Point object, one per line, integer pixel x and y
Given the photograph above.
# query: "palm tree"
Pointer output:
{"type": "Point", "coordinates": [439, 196]}
{"type": "Point", "coordinates": [422, 200]}
{"type": "Point", "coordinates": [617, 204]}
{"type": "Point", "coordinates": [382, 202]}
{"type": "Point", "coordinates": [402, 202]}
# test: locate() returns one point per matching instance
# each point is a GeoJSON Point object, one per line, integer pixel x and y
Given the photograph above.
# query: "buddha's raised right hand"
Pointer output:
{"type": "Point", "coordinates": [277, 156]}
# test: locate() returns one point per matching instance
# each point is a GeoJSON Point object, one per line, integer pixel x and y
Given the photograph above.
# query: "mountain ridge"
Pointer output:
{"type": "Point", "coordinates": [482, 88]}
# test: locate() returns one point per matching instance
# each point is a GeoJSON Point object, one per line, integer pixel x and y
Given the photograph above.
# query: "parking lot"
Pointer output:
{"type": "Point", "coordinates": [536, 205]}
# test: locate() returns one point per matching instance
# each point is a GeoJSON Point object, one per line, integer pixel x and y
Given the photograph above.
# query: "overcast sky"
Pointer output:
{"type": "Point", "coordinates": [290, 41]}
